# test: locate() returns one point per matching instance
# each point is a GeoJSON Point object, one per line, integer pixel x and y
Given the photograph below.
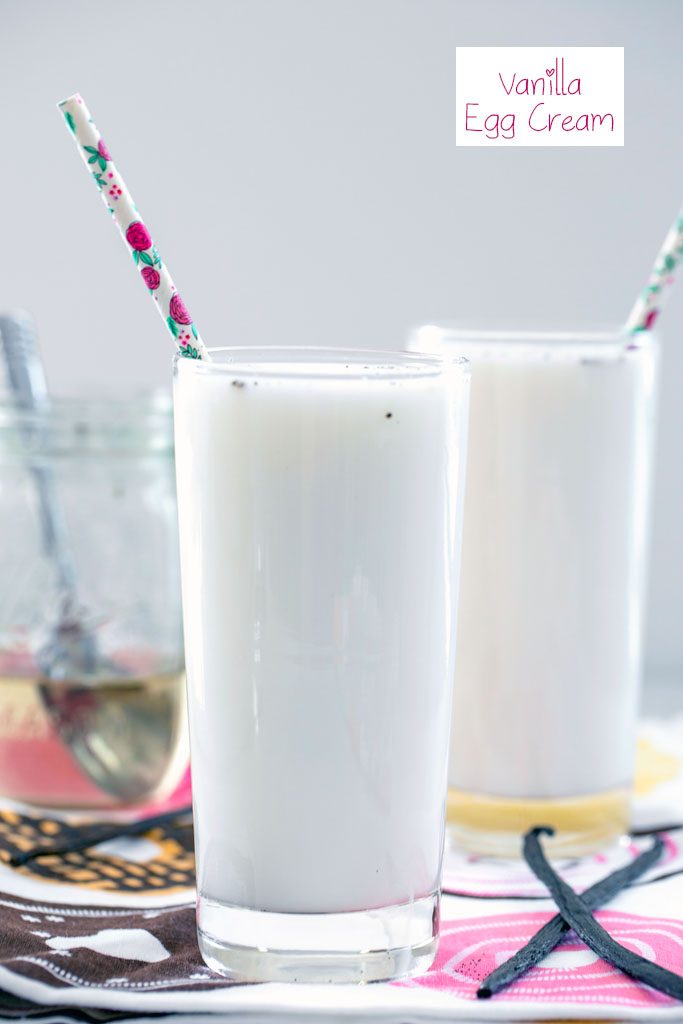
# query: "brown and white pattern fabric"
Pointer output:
{"type": "Point", "coordinates": [145, 950]}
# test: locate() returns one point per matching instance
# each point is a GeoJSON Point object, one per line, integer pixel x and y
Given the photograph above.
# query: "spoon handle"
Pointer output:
{"type": "Point", "coordinates": [26, 377]}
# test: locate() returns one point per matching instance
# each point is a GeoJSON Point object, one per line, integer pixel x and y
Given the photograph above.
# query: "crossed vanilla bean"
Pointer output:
{"type": "Point", "coordinates": [577, 914]}
{"type": "Point", "coordinates": [545, 940]}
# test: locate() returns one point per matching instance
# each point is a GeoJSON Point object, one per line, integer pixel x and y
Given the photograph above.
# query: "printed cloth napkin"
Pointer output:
{"type": "Point", "coordinates": [110, 932]}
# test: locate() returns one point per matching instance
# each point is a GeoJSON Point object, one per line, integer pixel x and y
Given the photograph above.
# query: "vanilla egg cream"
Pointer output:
{"type": "Point", "coordinates": [319, 546]}
{"type": "Point", "coordinates": [552, 582]}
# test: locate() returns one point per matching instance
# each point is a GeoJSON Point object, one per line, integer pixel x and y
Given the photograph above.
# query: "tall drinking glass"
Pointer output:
{"type": "Point", "coordinates": [319, 499]}
{"type": "Point", "coordinates": [549, 631]}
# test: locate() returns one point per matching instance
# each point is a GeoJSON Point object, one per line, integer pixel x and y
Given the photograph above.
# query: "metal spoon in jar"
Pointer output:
{"type": "Point", "coordinates": [93, 724]}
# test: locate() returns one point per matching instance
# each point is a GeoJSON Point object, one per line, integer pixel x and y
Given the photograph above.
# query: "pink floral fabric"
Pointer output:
{"type": "Point", "coordinates": [470, 949]}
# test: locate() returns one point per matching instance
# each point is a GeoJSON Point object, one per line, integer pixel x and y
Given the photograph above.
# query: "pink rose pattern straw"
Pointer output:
{"type": "Point", "coordinates": [648, 305]}
{"type": "Point", "coordinates": [145, 254]}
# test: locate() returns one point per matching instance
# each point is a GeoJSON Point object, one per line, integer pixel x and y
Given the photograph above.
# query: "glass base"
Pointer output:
{"type": "Point", "coordinates": [493, 826]}
{"type": "Point", "coordinates": [365, 945]}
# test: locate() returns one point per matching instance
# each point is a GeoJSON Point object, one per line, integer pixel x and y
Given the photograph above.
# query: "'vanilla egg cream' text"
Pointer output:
{"type": "Point", "coordinates": [541, 117]}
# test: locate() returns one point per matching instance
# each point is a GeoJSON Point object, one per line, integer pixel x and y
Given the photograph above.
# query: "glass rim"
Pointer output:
{"type": "Point", "coordinates": [139, 422]}
{"type": "Point", "coordinates": [322, 363]}
{"type": "Point", "coordinates": [617, 339]}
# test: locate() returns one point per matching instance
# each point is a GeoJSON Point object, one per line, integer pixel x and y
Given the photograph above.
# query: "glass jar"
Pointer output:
{"type": "Point", "coordinates": [92, 702]}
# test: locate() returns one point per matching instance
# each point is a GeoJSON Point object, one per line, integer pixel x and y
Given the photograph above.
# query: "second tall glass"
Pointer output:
{"type": "Point", "coordinates": [319, 498]}
{"type": "Point", "coordinates": [549, 632]}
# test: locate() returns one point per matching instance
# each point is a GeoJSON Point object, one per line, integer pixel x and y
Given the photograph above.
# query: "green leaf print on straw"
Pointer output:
{"type": "Point", "coordinates": [648, 305]}
{"type": "Point", "coordinates": [133, 230]}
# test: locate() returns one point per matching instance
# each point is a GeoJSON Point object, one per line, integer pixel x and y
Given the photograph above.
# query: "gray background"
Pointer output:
{"type": "Point", "coordinates": [296, 161]}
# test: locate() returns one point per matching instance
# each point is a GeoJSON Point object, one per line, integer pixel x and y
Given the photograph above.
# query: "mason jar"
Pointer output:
{"type": "Point", "coordinates": [92, 702]}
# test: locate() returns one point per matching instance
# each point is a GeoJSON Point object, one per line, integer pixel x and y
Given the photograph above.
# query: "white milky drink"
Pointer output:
{"type": "Point", "coordinates": [318, 499]}
{"type": "Point", "coordinates": [552, 583]}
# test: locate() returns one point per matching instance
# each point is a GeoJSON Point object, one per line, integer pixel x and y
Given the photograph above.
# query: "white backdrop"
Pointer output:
{"type": "Point", "coordinates": [296, 161]}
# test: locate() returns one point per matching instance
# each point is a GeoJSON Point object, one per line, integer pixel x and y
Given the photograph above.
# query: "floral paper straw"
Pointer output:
{"type": "Point", "coordinates": [118, 201]}
{"type": "Point", "coordinates": [649, 303]}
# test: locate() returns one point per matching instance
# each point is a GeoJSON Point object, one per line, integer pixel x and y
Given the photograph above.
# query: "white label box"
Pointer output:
{"type": "Point", "coordinates": [539, 95]}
